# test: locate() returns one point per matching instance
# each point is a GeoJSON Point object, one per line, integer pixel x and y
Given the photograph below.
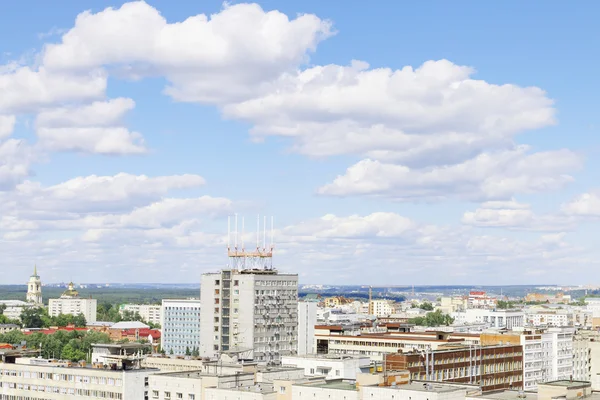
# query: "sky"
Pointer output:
{"type": "Point", "coordinates": [392, 143]}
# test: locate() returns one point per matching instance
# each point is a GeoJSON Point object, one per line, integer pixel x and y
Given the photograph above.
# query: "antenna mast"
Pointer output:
{"type": "Point", "coordinates": [259, 259]}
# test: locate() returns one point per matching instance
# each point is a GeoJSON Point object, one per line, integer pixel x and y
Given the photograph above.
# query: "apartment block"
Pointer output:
{"type": "Point", "coordinates": [252, 312]}
{"type": "Point", "coordinates": [329, 366]}
{"type": "Point", "coordinates": [70, 303]}
{"type": "Point", "coordinates": [180, 326]}
{"type": "Point", "coordinates": [508, 319]}
{"type": "Point", "coordinates": [148, 312]}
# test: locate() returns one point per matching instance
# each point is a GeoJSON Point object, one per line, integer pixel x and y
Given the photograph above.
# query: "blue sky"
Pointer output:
{"type": "Point", "coordinates": [415, 175]}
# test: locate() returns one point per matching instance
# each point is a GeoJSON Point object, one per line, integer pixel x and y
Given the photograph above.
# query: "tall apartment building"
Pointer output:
{"type": "Point", "coordinates": [180, 325]}
{"type": "Point", "coordinates": [586, 357]}
{"type": "Point", "coordinates": [71, 303]}
{"type": "Point", "coordinates": [253, 312]}
{"type": "Point", "coordinates": [148, 312]}
{"type": "Point", "coordinates": [307, 319]}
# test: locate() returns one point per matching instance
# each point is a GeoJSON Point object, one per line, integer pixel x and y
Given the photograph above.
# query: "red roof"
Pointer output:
{"type": "Point", "coordinates": [144, 332]}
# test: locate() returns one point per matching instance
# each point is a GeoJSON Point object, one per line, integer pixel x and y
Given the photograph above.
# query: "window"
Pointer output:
{"type": "Point", "coordinates": [282, 389]}
{"type": "Point", "coordinates": [191, 396]}
{"type": "Point", "coordinates": [217, 282]}
{"type": "Point", "coordinates": [180, 395]}
{"type": "Point", "coordinates": [216, 329]}
{"type": "Point", "coordinates": [216, 291]}
{"type": "Point", "coordinates": [236, 283]}
{"type": "Point", "coordinates": [312, 371]}
{"type": "Point", "coordinates": [337, 372]}
{"type": "Point", "coordinates": [167, 395]}
{"type": "Point", "coordinates": [155, 394]}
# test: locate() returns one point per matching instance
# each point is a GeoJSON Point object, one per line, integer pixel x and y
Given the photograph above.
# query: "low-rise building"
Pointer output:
{"type": "Point", "coordinates": [508, 319]}
{"type": "Point", "coordinates": [329, 366]}
{"type": "Point", "coordinates": [4, 328]}
{"type": "Point", "coordinates": [14, 308]}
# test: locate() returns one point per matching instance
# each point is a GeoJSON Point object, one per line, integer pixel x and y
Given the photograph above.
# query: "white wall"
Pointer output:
{"type": "Point", "coordinates": [307, 319]}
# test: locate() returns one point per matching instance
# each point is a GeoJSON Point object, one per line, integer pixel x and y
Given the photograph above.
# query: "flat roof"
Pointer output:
{"type": "Point", "coordinates": [199, 374]}
{"type": "Point", "coordinates": [436, 387]}
{"type": "Point", "coordinates": [331, 384]}
{"type": "Point", "coordinates": [567, 383]}
{"type": "Point", "coordinates": [507, 395]}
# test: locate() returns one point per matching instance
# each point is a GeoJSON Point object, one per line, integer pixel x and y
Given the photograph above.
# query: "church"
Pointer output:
{"type": "Point", "coordinates": [34, 288]}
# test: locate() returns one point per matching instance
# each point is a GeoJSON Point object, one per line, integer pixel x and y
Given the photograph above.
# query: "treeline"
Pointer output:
{"type": "Point", "coordinates": [72, 345]}
{"type": "Point", "coordinates": [111, 313]}
{"type": "Point", "coordinates": [37, 317]}
{"type": "Point", "coordinates": [435, 318]}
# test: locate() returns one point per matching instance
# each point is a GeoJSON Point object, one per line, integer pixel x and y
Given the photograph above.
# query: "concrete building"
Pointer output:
{"type": "Point", "coordinates": [14, 308]}
{"type": "Point", "coordinates": [253, 312]}
{"type": "Point", "coordinates": [337, 340]}
{"type": "Point", "coordinates": [415, 391]}
{"type": "Point", "coordinates": [490, 367]}
{"type": "Point", "coordinates": [34, 378]}
{"type": "Point", "coordinates": [181, 326]}
{"type": "Point", "coordinates": [148, 312]}
{"type": "Point", "coordinates": [383, 308]}
{"type": "Point", "coordinates": [70, 303]}
{"type": "Point", "coordinates": [508, 319]}
{"type": "Point", "coordinates": [307, 319]}
{"type": "Point", "coordinates": [34, 288]}
{"type": "Point", "coordinates": [550, 317]}
{"type": "Point", "coordinates": [329, 366]}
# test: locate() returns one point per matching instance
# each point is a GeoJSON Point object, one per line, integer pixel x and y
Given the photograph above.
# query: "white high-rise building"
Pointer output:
{"type": "Point", "coordinates": [253, 312]}
{"type": "Point", "coordinates": [307, 319]}
{"type": "Point", "coordinates": [34, 288]}
{"type": "Point", "coordinates": [148, 312]}
{"type": "Point", "coordinates": [180, 326]}
{"type": "Point", "coordinates": [71, 303]}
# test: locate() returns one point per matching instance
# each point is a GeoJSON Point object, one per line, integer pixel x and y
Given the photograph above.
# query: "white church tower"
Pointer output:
{"type": "Point", "coordinates": [34, 288]}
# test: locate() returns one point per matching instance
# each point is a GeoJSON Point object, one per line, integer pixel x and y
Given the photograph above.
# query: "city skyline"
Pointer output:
{"type": "Point", "coordinates": [452, 145]}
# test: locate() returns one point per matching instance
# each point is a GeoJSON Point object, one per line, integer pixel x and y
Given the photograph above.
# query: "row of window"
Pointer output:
{"type": "Point", "coordinates": [62, 390]}
{"type": "Point", "coordinates": [177, 396]}
{"type": "Point", "coordinates": [95, 380]}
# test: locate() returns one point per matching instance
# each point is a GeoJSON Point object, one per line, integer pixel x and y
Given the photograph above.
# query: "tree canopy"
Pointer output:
{"type": "Point", "coordinates": [434, 318]}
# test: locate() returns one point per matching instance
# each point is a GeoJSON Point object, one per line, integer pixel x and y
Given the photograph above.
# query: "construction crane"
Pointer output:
{"type": "Point", "coordinates": [381, 287]}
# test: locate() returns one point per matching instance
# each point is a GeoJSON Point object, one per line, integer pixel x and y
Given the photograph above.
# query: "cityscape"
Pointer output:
{"type": "Point", "coordinates": [299, 200]}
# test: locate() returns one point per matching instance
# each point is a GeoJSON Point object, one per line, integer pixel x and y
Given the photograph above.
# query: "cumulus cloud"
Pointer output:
{"type": "Point", "coordinates": [493, 176]}
{"type": "Point", "coordinates": [103, 193]}
{"type": "Point", "coordinates": [7, 125]}
{"type": "Point", "coordinates": [584, 205]}
{"type": "Point", "coordinates": [16, 157]}
{"type": "Point", "coordinates": [394, 114]}
{"type": "Point", "coordinates": [92, 128]}
{"type": "Point", "coordinates": [228, 55]}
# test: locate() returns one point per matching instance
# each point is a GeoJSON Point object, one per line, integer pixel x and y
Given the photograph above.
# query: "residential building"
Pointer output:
{"type": "Point", "coordinates": [148, 312]}
{"type": "Point", "coordinates": [383, 308]}
{"type": "Point", "coordinates": [14, 308]}
{"type": "Point", "coordinates": [252, 311]}
{"type": "Point", "coordinates": [335, 301]}
{"type": "Point", "coordinates": [449, 305]}
{"type": "Point", "coordinates": [593, 306]}
{"type": "Point", "coordinates": [561, 357]}
{"type": "Point", "coordinates": [307, 319]}
{"type": "Point", "coordinates": [508, 319]}
{"type": "Point", "coordinates": [491, 367]}
{"type": "Point", "coordinates": [70, 303]}
{"type": "Point", "coordinates": [415, 391]}
{"type": "Point", "coordinates": [34, 288]}
{"type": "Point", "coordinates": [550, 317]}
{"type": "Point", "coordinates": [561, 389]}
{"type": "Point", "coordinates": [4, 328]}
{"type": "Point", "coordinates": [329, 366]}
{"type": "Point", "coordinates": [480, 299]}
{"type": "Point", "coordinates": [181, 326]}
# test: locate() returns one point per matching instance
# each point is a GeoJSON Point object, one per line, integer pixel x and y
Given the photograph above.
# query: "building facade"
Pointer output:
{"type": "Point", "coordinates": [491, 367]}
{"type": "Point", "coordinates": [71, 303]}
{"type": "Point", "coordinates": [329, 366]}
{"type": "Point", "coordinates": [148, 312]}
{"type": "Point", "coordinates": [252, 312]}
{"type": "Point", "coordinates": [181, 326]}
{"type": "Point", "coordinates": [508, 319]}
{"type": "Point", "coordinates": [34, 288]}
{"type": "Point", "coordinates": [307, 319]}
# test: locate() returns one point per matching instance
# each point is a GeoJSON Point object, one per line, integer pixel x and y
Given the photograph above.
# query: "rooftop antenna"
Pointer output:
{"type": "Point", "coordinates": [257, 232]}
{"type": "Point", "coordinates": [236, 233]}
{"type": "Point", "coordinates": [228, 233]}
{"type": "Point", "coordinates": [264, 233]}
{"type": "Point", "coordinates": [271, 233]}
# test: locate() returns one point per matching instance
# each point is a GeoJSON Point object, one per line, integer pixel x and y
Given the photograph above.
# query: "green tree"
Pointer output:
{"type": "Point", "coordinates": [13, 337]}
{"type": "Point", "coordinates": [195, 352]}
{"type": "Point", "coordinates": [79, 321]}
{"type": "Point", "coordinates": [187, 351]}
{"type": "Point", "coordinates": [34, 317]}
{"type": "Point", "coordinates": [2, 308]}
{"type": "Point", "coordinates": [435, 318]}
{"type": "Point", "coordinates": [69, 352]}
{"type": "Point", "coordinates": [426, 306]}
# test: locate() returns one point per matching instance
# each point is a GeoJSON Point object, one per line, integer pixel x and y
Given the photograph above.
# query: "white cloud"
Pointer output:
{"type": "Point", "coordinates": [494, 176]}
{"type": "Point", "coordinates": [584, 205]}
{"type": "Point", "coordinates": [26, 89]}
{"type": "Point", "coordinates": [400, 115]}
{"type": "Point", "coordinates": [15, 159]}
{"type": "Point", "coordinates": [210, 59]}
{"type": "Point", "coordinates": [7, 125]}
{"type": "Point", "coordinates": [92, 128]}
{"type": "Point", "coordinates": [103, 193]}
